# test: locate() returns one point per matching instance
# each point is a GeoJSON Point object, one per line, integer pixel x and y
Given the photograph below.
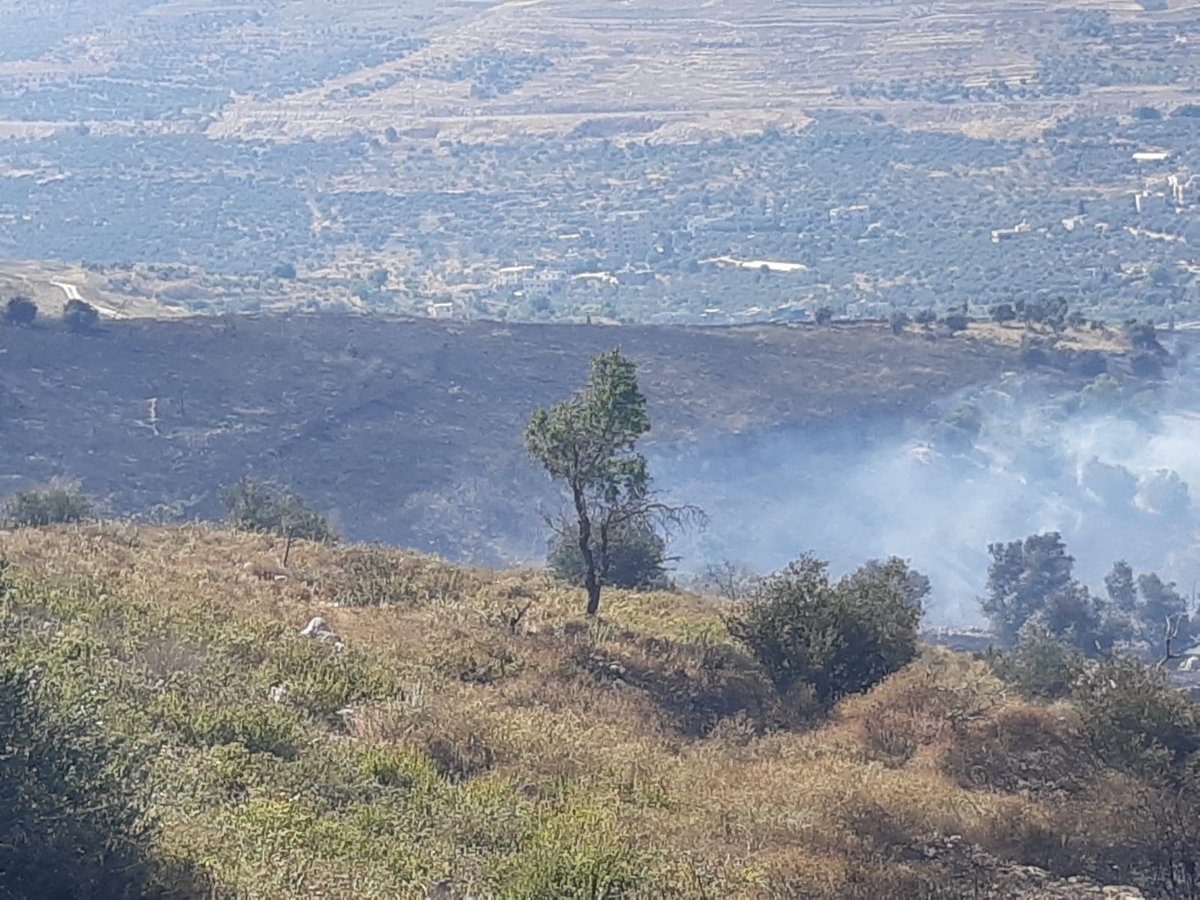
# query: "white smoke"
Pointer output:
{"type": "Point", "coordinates": [1114, 480]}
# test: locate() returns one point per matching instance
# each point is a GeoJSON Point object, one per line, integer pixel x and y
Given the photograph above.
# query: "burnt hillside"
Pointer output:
{"type": "Point", "coordinates": [409, 430]}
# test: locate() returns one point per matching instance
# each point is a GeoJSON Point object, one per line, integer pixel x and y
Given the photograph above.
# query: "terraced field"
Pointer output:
{"type": "Point", "coordinates": [400, 156]}
{"type": "Point", "coordinates": [701, 67]}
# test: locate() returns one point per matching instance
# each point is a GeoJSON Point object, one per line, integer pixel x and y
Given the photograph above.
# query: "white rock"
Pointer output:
{"type": "Point", "coordinates": [316, 626]}
{"type": "Point", "coordinates": [319, 629]}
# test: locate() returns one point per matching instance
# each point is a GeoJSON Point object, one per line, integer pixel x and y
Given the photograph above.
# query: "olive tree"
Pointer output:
{"type": "Point", "coordinates": [588, 443]}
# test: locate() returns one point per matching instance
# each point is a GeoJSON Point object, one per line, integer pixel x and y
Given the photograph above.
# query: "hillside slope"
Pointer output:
{"type": "Point", "coordinates": [454, 742]}
{"type": "Point", "coordinates": [410, 431]}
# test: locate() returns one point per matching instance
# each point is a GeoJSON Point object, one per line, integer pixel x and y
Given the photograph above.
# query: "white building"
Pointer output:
{"type": "Point", "coordinates": [511, 276]}
{"type": "Point", "coordinates": [1000, 234]}
{"type": "Point", "coordinates": [543, 282]}
{"type": "Point", "coordinates": [627, 235]}
{"type": "Point", "coordinates": [1177, 186]}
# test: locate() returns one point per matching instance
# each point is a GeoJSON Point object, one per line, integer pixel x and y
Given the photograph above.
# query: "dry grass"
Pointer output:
{"type": "Point", "coordinates": [536, 755]}
{"type": "Point", "coordinates": [1012, 334]}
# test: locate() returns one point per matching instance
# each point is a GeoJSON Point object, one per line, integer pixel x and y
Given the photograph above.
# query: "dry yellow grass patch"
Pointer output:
{"type": "Point", "coordinates": [1011, 334]}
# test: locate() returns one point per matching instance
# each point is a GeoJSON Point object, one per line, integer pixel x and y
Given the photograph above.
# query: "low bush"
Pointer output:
{"type": "Point", "coordinates": [378, 576]}
{"type": "Point", "coordinates": [1137, 723]}
{"type": "Point", "coordinates": [1041, 666]}
{"type": "Point", "coordinates": [581, 853]}
{"type": "Point", "coordinates": [262, 506]}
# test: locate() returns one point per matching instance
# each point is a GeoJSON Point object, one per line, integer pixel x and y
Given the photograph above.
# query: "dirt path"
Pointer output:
{"type": "Point", "coordinates": [72, 292]}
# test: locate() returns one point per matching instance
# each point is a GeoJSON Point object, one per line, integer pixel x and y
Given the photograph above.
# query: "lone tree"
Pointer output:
{"type": "Point", "coordinates": [20, 311]}
{"type": "Point", "coordinates": [80, 315]}
{"type": "Point", "coordinates": [588, 442]}
{"type": "Point", "coordinates": [267, 508]}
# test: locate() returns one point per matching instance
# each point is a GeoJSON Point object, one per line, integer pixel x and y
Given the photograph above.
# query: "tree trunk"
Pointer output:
{"type": "Point", "coordinates": [593, 589]}
{"type": "Point", "coordinates": [590, 579]}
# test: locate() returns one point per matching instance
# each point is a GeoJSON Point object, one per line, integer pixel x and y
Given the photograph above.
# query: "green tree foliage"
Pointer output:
{"type": "Point", "coordinates": [588, 443]}
{"type": "Point", "coordinates": [637, 552]}
{"type": "Point", "coordinates": [20, 311]}
{"type": "Point", "coordinates": [1031, 580]}
{"type": "Point", "coordinates": [53, 504]}
{"type": "Point", "coordinates": [898, 321]}
{"type": "Point", "coordinates": [1041, 665]}
{"type": "Point", "coordinates": [955, 322]}
{"type": "Point", "coordinates": [1138, 723]}
{"type": "Point", "coordinates": [838, 638]}
{"type": "Point", "coordinates": [823, 315]}
{"type": "Point", "coordinates": [80, 316]}
{"type": "Point", "coordinates": [1021, 575]}
{"type": "Point", "coordinates": [255, 505]}
{"type": "Point", "coordinates": [1031, 585]}
{"type": "Point", "coordinates": [1137, 720]}
{"type": "Point", "coordinates": [72, 818]}
{"type": "Point", "coordinates": [1144, 336]}
{"type": "Point", "coordinates": [1003, 312]}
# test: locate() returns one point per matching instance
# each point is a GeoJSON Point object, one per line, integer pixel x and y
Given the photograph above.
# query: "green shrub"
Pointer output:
{"type": "Point", "coordinates": [257, 727]}
{"type": "Point", "coordinates": [955, 322]}
{"type": "Point", "coordinates": [321, 679]}
{"type": "Point", "coordinates": [637, 557]}
{"type": "Point", "coordinates": [51, 505]}
{"type": "Point", "coordinates": [1137, 721]}
{"type": "Point", "coordinates": [1041, 665]}
{"type": "Point", "coordinates": [840, 638]}
{"type": "Point", "coordinates": [580, 854]}
{"type": "Point", "coordinates": [72, 810]}
{"type": "Point", "coordinates": [262, 506]}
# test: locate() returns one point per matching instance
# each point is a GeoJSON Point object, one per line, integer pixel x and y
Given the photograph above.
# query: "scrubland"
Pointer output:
{"type": "Point", "coordinates": [471, 733]}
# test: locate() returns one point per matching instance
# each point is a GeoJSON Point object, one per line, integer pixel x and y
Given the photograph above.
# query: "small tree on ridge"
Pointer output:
{"type": "Point", "coordinates": [589, 443]}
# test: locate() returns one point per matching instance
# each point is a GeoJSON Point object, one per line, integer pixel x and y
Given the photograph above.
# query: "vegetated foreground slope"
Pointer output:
{"type": "Point", "coordinates": [532, 754]}
{"type": "Point", "coordinates": [410, 431]}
